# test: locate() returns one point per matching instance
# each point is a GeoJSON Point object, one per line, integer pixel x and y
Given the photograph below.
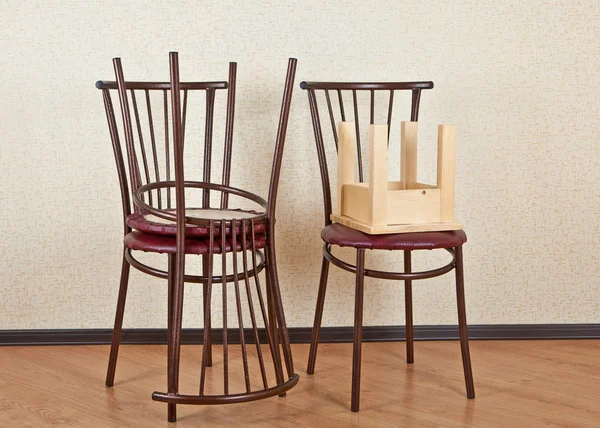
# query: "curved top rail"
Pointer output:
{"type": "Point", "coordinates": [367, 85]}
{"type": "Point", "coordinates": [106, 84]}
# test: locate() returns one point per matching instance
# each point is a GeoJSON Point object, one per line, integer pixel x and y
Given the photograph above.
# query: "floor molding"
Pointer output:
{"type": "Point", "coordinates": [303, 334]}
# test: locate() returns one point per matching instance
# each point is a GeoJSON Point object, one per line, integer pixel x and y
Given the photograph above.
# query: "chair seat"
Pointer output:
{"type": "Point", "coordinates": [167, 244]}
{"type": "Point", "coordinates": [152, 224]}
{"type": "Point", "coordinates": [343, 236]}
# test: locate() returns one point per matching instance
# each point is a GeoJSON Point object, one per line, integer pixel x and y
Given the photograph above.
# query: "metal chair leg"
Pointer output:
{"type": "Point", "coordinates": [358, 319]}
{"type": "Point", "coordinates": [314, 343]}
{"type": "Point", "coordinates": [410, 357]}
{"type": "Point", "coordinates": [174, 338]}
{"type": "Point", "coordinates": [116, 337]}
{"type": "Point", "coordinates": [273, 331]}
{"type": "Point", "coordinates": [272, 318]}
{"type": "Point", "coordinates": [170, 302]}
{"type": "Point", "coordinates": [462, 323]}
{"type": "Point", "coordinates": [278, 303]}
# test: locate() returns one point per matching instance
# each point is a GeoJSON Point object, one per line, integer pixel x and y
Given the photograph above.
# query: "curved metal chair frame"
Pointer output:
{"type": "Point", "coordinates": [403, 276]}
{"type": "Point", "coordinates": [236, 235]}
{"type": "Point", "coordinates": [333, 91]}
{"type": "Point", "coordinates": [138, 200]}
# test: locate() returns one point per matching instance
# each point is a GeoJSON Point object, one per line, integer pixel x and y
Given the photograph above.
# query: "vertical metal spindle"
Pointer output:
{"type": "Point", "coordinates": [389, 116]}
{"type": "Point", "coordinates": [341, 102]}
{"type": "Point", "coordinates": [331, 118]}
{"type": "Point", "coordinates": [184, 116]}
{"type": "Point", "coordinates": [251, 303]}
{"type": "Point", "coordinates": [138, 125]}
{"type": "Point", "coordinates": [209, 274]}
{"type": "Point", "coordinates": [167, 154]}
{"type": "Point", "coordinates": [314, 113]}
{"type": "Point", "coordinates": [229, 132]}
{"type": "Point", "coordinates": [416, 99]}
{"type": "Point", "coordinates": [372, 121]}
{"type": "Point", "coordinates": [224, 284]}
{"type": "Point", "coordinates": [208, 127]}
{"type": "Point", "coordinates": [357, 127]}
{"type": "Point", "coordinates": [271, 340]}
{"type": "Point", "coordinates": [134, 173]}
{"type": "Point", "coordinates": [118, 152]}
{"type": "Point", "coordinates": [238, 303]}
{"type": "Point", "coordinates": [153, 142]}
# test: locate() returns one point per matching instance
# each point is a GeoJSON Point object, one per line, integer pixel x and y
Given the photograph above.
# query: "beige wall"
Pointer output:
{"type": "Point", "coordinates": [520, 80]}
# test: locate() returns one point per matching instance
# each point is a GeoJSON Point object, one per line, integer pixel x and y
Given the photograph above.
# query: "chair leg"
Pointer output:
{"type": "Point", "coordinates": [172, 415]}
{"type": "Point", "coordinates": [170, 302]}
{"type": "Point", "coordinates": [314, 343]}
{"type": "Point", "coordinates": [278, 307]}
{"type": "Point", "coordinates": [358, 319]}
{"type": "Point", "coordinates": [272, 318]}
{"type": "Point", "coordinates": [208, 343]}
{"type": "Point", "coordinates": [174, 335]}
{"type": "Point", "coordinates": [410, 356]}
{"type": "Point", "coordinates": [462, 323]}
{"type": "Point", "coordinates": [116, 337]}
{"type": "Point", "coordinates": [273, 330]}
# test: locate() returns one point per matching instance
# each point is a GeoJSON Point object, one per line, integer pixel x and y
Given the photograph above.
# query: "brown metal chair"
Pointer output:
{"type": "Point", "coordinates": [158, 217]}
{"type": "Point", "coordinates": [335, 234]}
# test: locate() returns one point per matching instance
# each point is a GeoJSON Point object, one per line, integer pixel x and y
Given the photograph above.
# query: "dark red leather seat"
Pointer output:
{"type": "Point", "coordinates": [167, 244]}
{"type": "Point", "coordinates": [343, 236]}
{"type": "Point", "coordinates": [155, 225]}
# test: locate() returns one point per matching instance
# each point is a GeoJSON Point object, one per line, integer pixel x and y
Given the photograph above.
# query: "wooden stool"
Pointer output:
{"type": "Point", "coordinates": [381, 206]}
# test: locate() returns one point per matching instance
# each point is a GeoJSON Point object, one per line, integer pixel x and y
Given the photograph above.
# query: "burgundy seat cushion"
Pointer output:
{"type": "Point", "coordinates": [167, 244]}
{"type": "Point", "coordinates": [152, 224]}
{"type": "Point", "coordinates": [343, 236]}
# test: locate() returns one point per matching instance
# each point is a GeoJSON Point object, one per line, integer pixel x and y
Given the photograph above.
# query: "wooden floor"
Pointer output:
{"type": "Point", "coordinates": [518, 384]}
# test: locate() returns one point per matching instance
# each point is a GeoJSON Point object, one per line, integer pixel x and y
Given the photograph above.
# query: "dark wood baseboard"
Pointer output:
{"type": "Point", "coordinates": [303, 334]}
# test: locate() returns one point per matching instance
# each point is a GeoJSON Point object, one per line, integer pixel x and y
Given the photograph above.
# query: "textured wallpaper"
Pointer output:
{"type": "Point", "coordinates": [518, 79]}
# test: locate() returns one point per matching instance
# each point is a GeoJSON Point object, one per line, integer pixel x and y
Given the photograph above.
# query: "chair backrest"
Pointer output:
{"type": "Point", "coordinates": [147, 133]}
{"type": "Point", "coordinates": [146, 157]}
{"type": "Point", "coordinates": [334, 95]}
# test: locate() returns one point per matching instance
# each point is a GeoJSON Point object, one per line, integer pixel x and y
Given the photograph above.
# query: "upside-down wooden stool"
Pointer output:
{"type": "Point", "coordinates": [382, 215]}
{"type": "Point", "coordinates": [159, 218]}
{"type": "Point", "coordinates": [382, 206]}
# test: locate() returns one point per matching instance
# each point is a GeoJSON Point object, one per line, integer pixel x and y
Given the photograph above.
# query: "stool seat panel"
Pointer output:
{"type": "Point", "coordinates": [343, 236]}
{"type": "Point", "coordinates": [150, 223]}
{"type": "Point", "coordinates": [168, 244]}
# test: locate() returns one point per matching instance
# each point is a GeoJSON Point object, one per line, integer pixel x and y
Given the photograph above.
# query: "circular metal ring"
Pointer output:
{"type": "Point", "coordinates": [391, 275]}
{"type": "Point", "coordinates": [197, 279]}
{"type": "Point", "coordinates": [172, 216]}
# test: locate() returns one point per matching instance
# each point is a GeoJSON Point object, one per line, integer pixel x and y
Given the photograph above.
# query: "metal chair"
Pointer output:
{"type": "Point", "coordinates": [335, 234]}
{"type": "Point", "coordinates": [158, 217]}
